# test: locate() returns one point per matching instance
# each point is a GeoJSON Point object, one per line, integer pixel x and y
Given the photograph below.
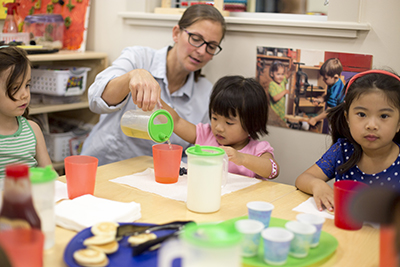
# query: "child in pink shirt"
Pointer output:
{"type": "Point", "coordinates": [238, 112]}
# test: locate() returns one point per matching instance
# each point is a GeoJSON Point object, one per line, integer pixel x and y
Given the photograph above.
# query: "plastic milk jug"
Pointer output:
{"type": "Point", "coordinates": [210, 245]}
{"type": "Point", "coordinates": [207, 172]}
{"type": "Point", "coordinates": [155, 125]}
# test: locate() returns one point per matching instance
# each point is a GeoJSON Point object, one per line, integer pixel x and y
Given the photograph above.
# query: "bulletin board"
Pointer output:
{"type": "Point", "coordinates": [74, 12]}
{"type": "Point", "coordinates": [3, 10]}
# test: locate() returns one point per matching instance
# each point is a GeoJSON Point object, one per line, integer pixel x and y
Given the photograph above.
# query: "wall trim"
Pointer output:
{"type": "Point", "coordinates": [333, 29]}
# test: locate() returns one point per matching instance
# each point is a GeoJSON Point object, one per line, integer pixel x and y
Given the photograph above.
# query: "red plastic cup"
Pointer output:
{"type": "Point", "coordinates": [387, 248]}
{"type": "Point", "coordinates": [344, 192]}
{"type": "Point", "coordinates": [167, 162]}
{"type": "Point", "coordinates": [24, 247]}
{"type": "Point", "coordinates": [80, 172]}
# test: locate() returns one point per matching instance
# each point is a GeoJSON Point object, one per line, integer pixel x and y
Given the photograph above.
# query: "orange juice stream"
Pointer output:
{"type": "Point", "coordinates": [169, 144]}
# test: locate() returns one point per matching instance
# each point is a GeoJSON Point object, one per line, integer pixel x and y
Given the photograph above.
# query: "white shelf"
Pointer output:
{"type": "Point", "coordinates": [255, 24]}
{"type": "Point", "coordinates": [97, 61]}
{"type": "Point", "coordinates": [43, 108]}
{"type": "Point", "coordinates": [67, 55]}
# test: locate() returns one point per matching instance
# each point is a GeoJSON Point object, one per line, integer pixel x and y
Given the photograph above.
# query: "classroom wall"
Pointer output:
{"type": "Point", "coordinates": [294, 150]}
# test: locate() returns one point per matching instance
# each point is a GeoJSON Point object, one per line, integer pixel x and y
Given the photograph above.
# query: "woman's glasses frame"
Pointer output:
{"type": "Point", "coordinates": [198, 41]}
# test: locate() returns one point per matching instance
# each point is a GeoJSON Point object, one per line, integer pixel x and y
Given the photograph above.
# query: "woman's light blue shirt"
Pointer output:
{"type": "Point", "coordinates": [106, 141]}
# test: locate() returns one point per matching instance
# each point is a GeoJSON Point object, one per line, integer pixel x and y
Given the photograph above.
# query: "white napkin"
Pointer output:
{"type": "Point", "coordinates": [61, 191]}
{"type": "Point", "coordinates": [309, 206]}
{"type": "Point", "coordinates": [145, 181]}
{"type": "Point", "coordinates": [85, 211]}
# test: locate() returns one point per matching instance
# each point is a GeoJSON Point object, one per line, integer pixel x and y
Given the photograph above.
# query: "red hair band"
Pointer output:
{"type": "Point", "coordinates": [358, 75]}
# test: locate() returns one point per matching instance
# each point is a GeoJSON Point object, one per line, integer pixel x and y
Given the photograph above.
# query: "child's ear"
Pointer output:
{"type": "Point", "coordinates": [347, 119]}
{"type": "Point", "coordinates": [398, 127]}
{"type": "Point", "coordinates": [336, 76]}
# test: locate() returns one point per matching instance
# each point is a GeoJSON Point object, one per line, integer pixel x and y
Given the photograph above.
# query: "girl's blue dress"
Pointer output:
{"type": "Point", "coordinates": [341, 152]}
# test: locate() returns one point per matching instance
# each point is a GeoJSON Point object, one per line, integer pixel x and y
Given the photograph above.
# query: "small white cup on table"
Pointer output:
{"type": "Point", "coordinates": [260, 211]}
{"type": "Point", "coordinates": [315, 220]}
{"type": "Point", "coordinates": [251, 233]}
{"type": "Point", "coordinates": [303, 234]}
{"type": "Point", "coordinates": [276, 245]}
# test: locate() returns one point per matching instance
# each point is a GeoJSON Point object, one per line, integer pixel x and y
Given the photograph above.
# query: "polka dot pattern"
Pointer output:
{"type": "Point", "coordinates": [341, 151]}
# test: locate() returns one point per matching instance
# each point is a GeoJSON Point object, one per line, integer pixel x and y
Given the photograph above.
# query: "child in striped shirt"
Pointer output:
{"type": "Point", "coordinates": [21, 140]}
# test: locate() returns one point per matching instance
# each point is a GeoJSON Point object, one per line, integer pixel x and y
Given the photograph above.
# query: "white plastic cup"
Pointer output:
{"type": "Point", "coordinates": [276, 245]}
{"type": "Point", "coordinates": [315, 220]}
{"type": "Point", "coordinates": [303, 234]}
{"type": "Point", "coordinates": [260, 211]}
{"type": "Point", "coordinates": [251, 232]}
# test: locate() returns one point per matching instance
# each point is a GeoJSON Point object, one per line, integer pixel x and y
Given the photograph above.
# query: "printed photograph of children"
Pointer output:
{"type": "Point", "coordinates": [302, 85]}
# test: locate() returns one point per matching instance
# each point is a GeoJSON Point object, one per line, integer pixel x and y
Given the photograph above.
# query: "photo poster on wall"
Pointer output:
{"type": "Point", "coordinates": [74, 12]}
{"type": "Point", "coordinates": [295, 88]}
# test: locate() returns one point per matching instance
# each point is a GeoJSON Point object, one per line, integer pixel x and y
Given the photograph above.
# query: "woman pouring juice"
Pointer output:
{"type": "Point", "coordinates": [142, 75]}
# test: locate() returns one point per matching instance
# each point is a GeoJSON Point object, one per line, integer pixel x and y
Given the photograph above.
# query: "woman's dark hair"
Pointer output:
{"type": "Point", "coordinates": [15, 59]}
{"type": "Point", "coordinates": [367, 83]}
{"type": "Point", "coordinates": [197, 13]}
{"type": "Point", "coordinates": [236, 95]}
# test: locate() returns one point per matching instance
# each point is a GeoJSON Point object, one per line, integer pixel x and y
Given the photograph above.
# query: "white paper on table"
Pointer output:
{"type": "Point", "coordinates": [145, 181]}
{"type": "Point", "coordinates": [60, 191]}
{"type": "Point", "coordinates": [309, 206]}
{"type": "Point", "coordinates": [85, 211]}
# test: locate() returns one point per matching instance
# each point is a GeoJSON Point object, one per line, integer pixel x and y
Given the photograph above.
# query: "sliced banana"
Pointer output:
{"type": "Point", "coordinates": [89, 257]}
{"type": "Point", "coordinates": [105, 228]}
{"type": "Point", "coordinates": [98, 240]}
{"type": "Point", "coordinates": [108, 248]}
{"type": "Point", "coordinates": [135, 240]}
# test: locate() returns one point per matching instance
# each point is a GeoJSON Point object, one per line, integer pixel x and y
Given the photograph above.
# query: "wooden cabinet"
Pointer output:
{"type": "Point", "coordinates": [96, 61]}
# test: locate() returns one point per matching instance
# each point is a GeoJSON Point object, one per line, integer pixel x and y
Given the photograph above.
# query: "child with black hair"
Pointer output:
{"type": "Point", "coordinates": [21, 140]}
{"type": "Point", "coordinates": [238, 112]}
{"type": "Point", "coordinates": [365, 134]}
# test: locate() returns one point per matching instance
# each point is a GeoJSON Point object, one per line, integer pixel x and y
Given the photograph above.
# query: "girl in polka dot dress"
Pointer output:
{"type": "Point", "coordinates": [365, 134]}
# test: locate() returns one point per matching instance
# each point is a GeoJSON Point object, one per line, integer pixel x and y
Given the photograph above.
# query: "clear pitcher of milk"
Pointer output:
{"type": "Point", "coordinates": [207, 172]}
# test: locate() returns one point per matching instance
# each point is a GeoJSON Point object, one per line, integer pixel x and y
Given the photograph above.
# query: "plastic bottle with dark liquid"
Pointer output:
{"type": "Point", "coordinates": [17, 210]}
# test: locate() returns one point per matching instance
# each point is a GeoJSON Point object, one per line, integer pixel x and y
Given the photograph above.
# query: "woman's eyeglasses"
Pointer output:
{"type": "Point", "coordinates": [198, 41]}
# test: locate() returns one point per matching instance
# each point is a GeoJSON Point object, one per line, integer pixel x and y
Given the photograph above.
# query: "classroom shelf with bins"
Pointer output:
{"type": "Point", "coordinates": [96, 61]}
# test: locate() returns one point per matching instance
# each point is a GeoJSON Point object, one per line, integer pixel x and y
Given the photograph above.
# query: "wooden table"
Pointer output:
{"type": "Point", "coordinates": [356, 248]}
{"type": "Point", "coordinates": [157, 209]}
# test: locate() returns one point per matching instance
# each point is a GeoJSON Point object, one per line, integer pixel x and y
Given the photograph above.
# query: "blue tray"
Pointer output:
{"type": "Point", "coordinates": [121, 258]}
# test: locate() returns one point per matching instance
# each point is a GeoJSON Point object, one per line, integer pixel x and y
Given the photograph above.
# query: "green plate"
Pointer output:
{"type": "Point", "coordinates": [327, 245]}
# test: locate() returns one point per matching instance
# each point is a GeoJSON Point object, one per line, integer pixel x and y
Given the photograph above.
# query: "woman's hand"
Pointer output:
{"type": "Point", "coordinates": [145, 89]}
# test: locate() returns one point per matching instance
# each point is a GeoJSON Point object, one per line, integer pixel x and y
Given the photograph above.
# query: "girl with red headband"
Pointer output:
{"type": "Point", "coordinates": [365, 136]}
